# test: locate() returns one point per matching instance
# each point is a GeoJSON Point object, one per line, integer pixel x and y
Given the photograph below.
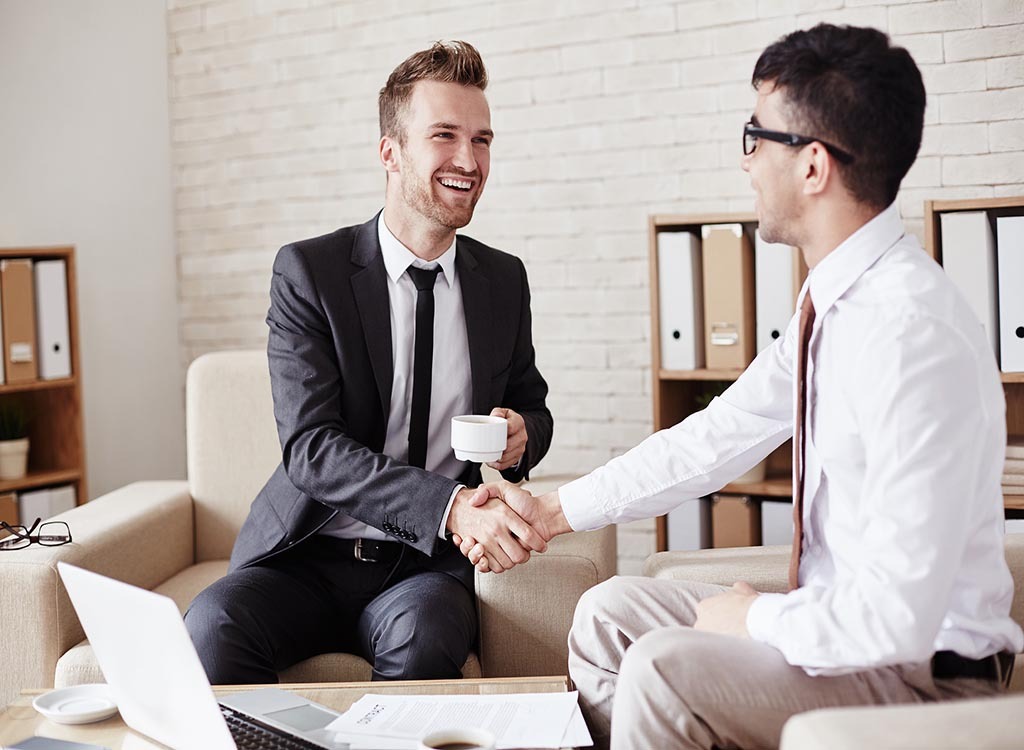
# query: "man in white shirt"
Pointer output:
{"type": "Point", "coordinates": [899, 588]}
{"type": "Point", "coordinates": [380, 333]}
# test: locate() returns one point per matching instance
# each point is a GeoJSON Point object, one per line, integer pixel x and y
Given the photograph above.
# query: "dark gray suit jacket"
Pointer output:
{"type": "Point", "coordinates": [331, 371]}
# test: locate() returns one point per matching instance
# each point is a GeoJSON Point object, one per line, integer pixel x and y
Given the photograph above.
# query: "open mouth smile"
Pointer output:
{"type": "Point", "coordinates": [458, 184]}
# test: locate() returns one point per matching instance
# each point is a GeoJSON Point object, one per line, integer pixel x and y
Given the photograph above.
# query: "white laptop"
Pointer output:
{"type": "Point", "coordinates": [154, 673]}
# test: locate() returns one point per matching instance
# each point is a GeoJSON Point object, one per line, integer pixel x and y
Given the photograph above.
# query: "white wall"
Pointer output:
{"type": "Point", "coordinates": [85, 160]}
{"type": "Point", "coordinates": [606, 111]}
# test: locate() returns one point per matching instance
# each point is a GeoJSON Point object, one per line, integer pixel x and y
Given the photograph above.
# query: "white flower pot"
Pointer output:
{"type": "Point", "coordinates": [13, 458]}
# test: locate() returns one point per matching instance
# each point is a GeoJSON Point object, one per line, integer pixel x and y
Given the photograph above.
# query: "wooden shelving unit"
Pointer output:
{"type": "Point", "coordinates": [53, 407]}
{"type": "Point", "coordinates": [1013, 382]}
{"type": "Point", "coordinates": [675, 392]}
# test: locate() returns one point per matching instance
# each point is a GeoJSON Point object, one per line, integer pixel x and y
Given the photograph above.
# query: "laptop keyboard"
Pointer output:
{"type": "Point", "coordinates": [251, 735]}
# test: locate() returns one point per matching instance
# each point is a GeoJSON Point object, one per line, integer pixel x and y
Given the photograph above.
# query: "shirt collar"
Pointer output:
{"type": "Point", "coordinates": [838, 270]}
{"type": "Point", "coordinates": [397, 257]}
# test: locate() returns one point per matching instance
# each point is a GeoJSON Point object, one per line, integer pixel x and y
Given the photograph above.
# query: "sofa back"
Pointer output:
{"type": "Point", "coordinates": [231, 443]}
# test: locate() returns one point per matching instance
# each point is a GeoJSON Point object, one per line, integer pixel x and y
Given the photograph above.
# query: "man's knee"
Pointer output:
{"type": "Point", "coordinates": [646, 658]}
{"type": "Point", "coordinates": [206, 616]}
{"type": "Point", "coordinates": [423, 640]}
{"type": "Point", "coordinates": [608, 601]}
{"type": "Point", "coordinates": [681, 656]}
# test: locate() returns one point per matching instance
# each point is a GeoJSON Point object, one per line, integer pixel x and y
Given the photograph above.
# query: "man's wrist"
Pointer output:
{"type": "Point", "coordinates": [443, 531]}
{"type": "Point", "coordinates": [554, 518]}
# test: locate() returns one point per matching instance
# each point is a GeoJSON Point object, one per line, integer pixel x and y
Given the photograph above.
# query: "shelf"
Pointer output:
{"type": "Point", "coordinates": [40, 479]}
{"type": "Point", "coordinates": [770, 487]}
{"type": "Point", "coordinates": [37, 385]}
{"type": "Point", "coordinates": [699, 374]}
{"type": "Point", "coordinates": [695, 220]}
{"type": "Point", "coordinates": [975, 204]}
{"type": "Point", "coordinates": [1013, 377]}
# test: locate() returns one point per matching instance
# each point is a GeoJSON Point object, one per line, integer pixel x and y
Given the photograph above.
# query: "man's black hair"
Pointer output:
{"type": "Point", "coordinates": [850, 86]}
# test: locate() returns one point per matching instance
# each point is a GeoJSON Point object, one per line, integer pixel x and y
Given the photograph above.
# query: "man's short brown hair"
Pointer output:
{"type": "Point", "coordinates": [450, 62]}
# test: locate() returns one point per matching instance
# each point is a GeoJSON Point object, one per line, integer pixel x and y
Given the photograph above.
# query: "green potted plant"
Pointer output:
{"type": "Point", "coordinates": [13, 440]}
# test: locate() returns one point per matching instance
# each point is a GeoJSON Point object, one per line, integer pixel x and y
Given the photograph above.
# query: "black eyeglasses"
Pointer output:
{"type": "Point", "coordinates": [752, 132]}
{"type": "Point", "coordinates": [51, 534]}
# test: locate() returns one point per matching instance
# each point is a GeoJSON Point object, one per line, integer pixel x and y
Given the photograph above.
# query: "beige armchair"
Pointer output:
{"type": "Point", "coordinates": [989, 724]}
{"type": "Point", "coordinates": [175, 537]}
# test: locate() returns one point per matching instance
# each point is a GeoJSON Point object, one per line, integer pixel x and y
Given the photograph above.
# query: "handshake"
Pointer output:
{"type": "Point", "coordinates": [497, 526]}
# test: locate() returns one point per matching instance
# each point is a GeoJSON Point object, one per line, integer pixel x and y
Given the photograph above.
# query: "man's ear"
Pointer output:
{"type": "Point", "coordinates": [817, 169]}
{"type": "Point", "coordinates": [389, 151]}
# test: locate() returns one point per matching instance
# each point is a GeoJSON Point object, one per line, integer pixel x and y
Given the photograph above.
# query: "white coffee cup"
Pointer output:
{"type": "Point", "coordinates": [480, 438]}
{"type": "Point", "coordinates": [458, 739]}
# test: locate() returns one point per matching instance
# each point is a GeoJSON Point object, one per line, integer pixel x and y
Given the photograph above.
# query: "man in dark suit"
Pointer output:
{"type": "Point", "coordinates": [379, 335]}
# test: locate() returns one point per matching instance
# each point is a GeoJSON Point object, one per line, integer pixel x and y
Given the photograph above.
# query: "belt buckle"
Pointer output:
{"type": "Point", "coordinates": [357, 551]}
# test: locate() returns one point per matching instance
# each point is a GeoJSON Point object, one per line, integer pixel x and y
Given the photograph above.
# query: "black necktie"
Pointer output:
{"type": "Point", "coordinates": [423, 358]}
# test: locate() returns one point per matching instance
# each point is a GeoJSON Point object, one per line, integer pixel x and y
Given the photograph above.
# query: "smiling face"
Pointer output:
{"type": "Point", "coordinates": [441, 167]}
{"type": "Point", "coordinates": [774, 170]}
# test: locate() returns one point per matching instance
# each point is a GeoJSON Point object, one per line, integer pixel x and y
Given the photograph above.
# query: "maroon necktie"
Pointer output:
{"type": "Point", "coordinates": [799, 437]}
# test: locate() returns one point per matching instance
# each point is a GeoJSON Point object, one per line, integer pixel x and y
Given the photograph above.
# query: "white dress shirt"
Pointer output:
{"type": "Point", "coordinates": [451, 388]}
{"type": "Point", "coordinates": [906, 438]}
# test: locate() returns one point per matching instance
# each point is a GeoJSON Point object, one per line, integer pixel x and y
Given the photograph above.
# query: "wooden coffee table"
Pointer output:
{"type": "Point", "coordinates": [19, 720]}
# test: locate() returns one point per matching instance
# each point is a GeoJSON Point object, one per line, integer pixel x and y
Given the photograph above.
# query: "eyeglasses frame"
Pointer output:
{"type": "Point", "coordinates": [790, 139]}
{"type": "Point", "coordinates": [21, 532]}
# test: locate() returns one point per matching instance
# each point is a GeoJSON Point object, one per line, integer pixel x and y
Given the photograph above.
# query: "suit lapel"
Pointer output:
{"type": "Point", "coordinates": [476, 305]}
{"type": "Point", "coordinates": [370, 289]}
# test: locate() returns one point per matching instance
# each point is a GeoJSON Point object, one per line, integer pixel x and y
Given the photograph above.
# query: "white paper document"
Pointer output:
{"type": "Point", "coordinates": [530, 720]}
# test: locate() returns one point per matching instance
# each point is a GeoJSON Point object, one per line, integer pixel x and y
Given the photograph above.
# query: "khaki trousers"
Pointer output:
{"type": "Point", "coordinates": [648, 680]}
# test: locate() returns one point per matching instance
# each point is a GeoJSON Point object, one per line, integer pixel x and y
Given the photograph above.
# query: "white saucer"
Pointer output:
{"type": "Point", "coordinates": [80, 704]}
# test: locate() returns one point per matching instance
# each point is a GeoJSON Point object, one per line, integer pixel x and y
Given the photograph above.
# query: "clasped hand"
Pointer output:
{"type": "Point", "coordinates": [497, 526]}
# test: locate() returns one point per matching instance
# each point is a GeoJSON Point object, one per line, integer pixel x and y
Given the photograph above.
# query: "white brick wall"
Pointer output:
{"type": "Point", "coordinates": [606, 111]}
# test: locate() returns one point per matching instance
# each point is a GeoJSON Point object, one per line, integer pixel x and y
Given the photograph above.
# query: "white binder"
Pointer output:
{"type": "Point", "coordinates": [32, 505]}
{"type": "Point", "coordinates": [62, 498]}
{"type": "Point", "coordinates": [969, 257]}
{"type": "Point", "coordinates": [689, 525]}
{"type": "Point", "coordinates": [1010, 249]}
{"type": "Point", "coordinates": [774, 293]}
{"type": "Point", "coordinates": [680, 301]}
{"type": "Point", "coordinates": [776, 522]}
{"type": "Point", "coordinates": [54, 343]}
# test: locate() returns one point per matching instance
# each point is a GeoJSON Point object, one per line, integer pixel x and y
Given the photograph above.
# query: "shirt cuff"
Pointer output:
{"type": "Point", "coordinates": [579, 504]}
{"type": "Point", "coordinates": [443, 531]}
{"type": "Point", "coordinates": [763, 615]}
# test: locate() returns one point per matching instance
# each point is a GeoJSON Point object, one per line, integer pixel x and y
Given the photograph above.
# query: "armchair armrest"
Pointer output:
{"type": "Point", "coordinates": [984, 724]}
{"type": "Point", "coordinates": [141, 533]}
{"type": "Point", "coordinates": [525, 613]}
{"type": "Point", "coordinates": [764, 568]}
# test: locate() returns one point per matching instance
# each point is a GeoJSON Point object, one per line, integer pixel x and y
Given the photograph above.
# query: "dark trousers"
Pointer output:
{"type": "Point", "coordinates": [409, 622]}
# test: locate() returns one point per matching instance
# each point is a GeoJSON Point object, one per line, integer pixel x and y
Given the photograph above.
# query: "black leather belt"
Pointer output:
{"type": "Point", "coordinates": [949, 665]}
{"type": "Point", "coordinates": [370, 550]}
